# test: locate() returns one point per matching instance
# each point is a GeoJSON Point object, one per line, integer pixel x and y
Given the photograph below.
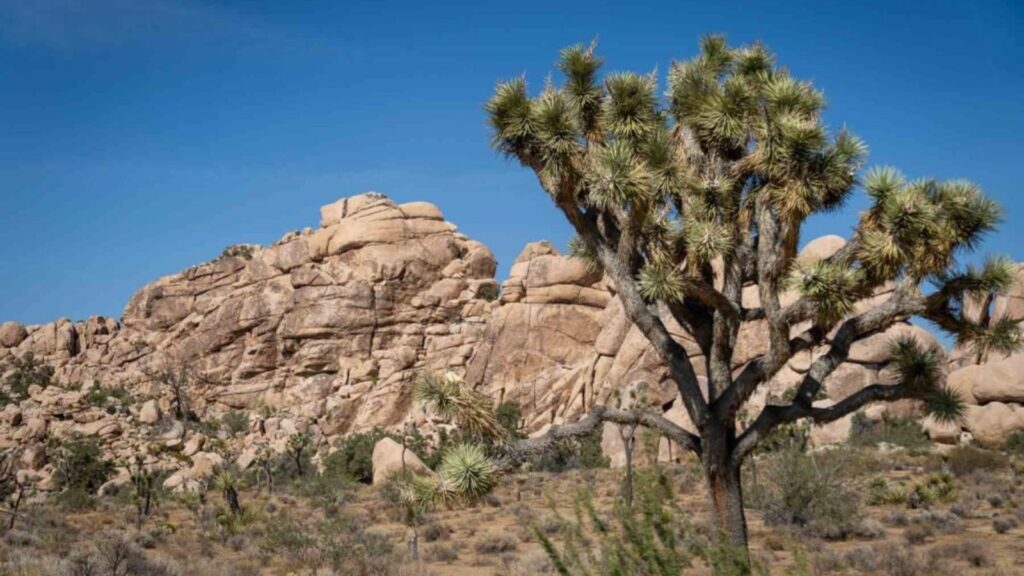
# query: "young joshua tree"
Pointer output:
{"type": "Point", "coordinates": [682, 199]}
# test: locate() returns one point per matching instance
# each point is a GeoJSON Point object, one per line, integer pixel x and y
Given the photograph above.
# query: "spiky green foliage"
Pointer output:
{"type": "Point", "coordinates": [919, 369]}
{"type": "Point", "coordinates": [451, 399]}
{"type": "Point", "coordinates": [465, 474]}
{"type": "Point", "coordinates": [660, 281]}
{"type": "Point", "coordinates": [833, 288]}
{"type": "Point", "coordinates": [468, 470]}
{"type": "Point", "coordinates": [688, 195]}
{"type": "Point", "coordinates": [24, 372]}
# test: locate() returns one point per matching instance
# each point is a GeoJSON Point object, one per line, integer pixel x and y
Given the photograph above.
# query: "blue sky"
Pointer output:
{"type": "Point", "coordinates": [140, 137]}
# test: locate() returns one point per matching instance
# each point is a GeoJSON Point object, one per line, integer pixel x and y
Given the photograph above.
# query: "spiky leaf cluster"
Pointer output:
{"type": "Point", "coordinates": [452, 400]}
{"type": "Point", "coordinates": [833, 288]}
{"type": "Point", "coordinates": [918, 369]}
{"type": "Point", "coordinates": [916, 228]}
{"type": "Point", "coordinates": [968, 295]}
{"type": "Point", "coordinates": [465, 474]}
{"type": "Point", "coordinates": [683, 169]}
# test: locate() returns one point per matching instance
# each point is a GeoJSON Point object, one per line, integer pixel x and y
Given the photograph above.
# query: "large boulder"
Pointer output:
{"type": "Point", "coordinates": [389, 458]}
{"type": "Point", "coordinates": [12, 334]}
{"type": "Point", "coordinates": [1000, 380]}
{"type": "Point", "coordinates": [992, 424]}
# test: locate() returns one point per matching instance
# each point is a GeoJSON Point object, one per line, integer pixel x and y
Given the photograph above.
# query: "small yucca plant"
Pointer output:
{"type": "Point", "coordinates": [452, 400]}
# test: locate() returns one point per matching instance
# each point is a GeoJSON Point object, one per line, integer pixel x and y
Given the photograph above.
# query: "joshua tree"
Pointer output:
{"type": "Point", "coordinates": [145, 493]}
{"type": "Point", "coordinates": [297, 444]}
{"type": "Point", "coordinates": [684, 199]}
{"type": "Point", "coordinates": [176, 379]}
{"type": "Point", "coordinates": [265, 469]}
{"type": "Point", "coordinates": [227, 483]}
{"type": "Point", "coordinates": [11, 488]}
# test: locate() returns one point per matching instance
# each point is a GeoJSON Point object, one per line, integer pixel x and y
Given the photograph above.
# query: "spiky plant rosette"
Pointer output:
{"type": "Point", "coordinates": [918, 369]}
{"type": "Point", "coordinates": [833, 288]}
{"type": "Point", "coordinates": [467, 471]}
{"type": "Point", "coordinates": [452, 400]}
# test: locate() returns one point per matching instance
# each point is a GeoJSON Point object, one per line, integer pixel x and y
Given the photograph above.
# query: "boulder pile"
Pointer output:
{"type": "Point", "coordinates": [325, 331]}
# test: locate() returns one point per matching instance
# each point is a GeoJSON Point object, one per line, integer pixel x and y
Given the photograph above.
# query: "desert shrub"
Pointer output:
{"type": "Point", "coordinates": [488, 292]}
{"type": "Point", "coordinates": [879, 490]}
{"type": "Point", "coordinates": [807, 492]}
{"type": "Point", "coordinates": [869, 528]}
{"type": "Point", "coordinates": [114, 554]}
{"type": "Point", "coordinates": [353, 458]}
{"type": "Point", "coordinates": [580, 453]}
{"type": "Point", "coordinates": [1014, 443]}
{"type": "Point", "coordinates": [235, 422]}
{"type": "Point", "coordinates": [917, 533]}
{"type": "Point", "coordinates": [655, 520]}
{"type": "Point", "coordinates": [433, 531]}
{"type": "Point", "coordinates": [1004, 524]}
{"type": "Point", "coordinates": [653, 536]}
{"type": "Point", "coordinates": [965, 460]}
{"type": "Point", "coordinates": [341, 543]}
{"type": "Point", "coordinates": [971, 552]}
{"type": "Point", "coordinates": [935, 487]}
{"type": "Point", "coordinates": [508, 415]}
{"type": "Point", "coordinates": [103, 396]}
{"type": "Point", "coordinates": [895, 430]}
{"type": "Point", "coordinates": [25, 372]}
{"type": "Point", "coordinates": [495, 544]}
{"type": "Point", "coordinates": [442, 552]}
{"type": "Point", "coordinates": [79, 464]}
{"type": "Point", "coordinates": [945, 522]}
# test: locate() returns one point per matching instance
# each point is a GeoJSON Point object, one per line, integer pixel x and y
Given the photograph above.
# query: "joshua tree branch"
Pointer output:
{"type": "Point", "coordinates": [518, 451]}
{"type": "Point", "coordinates": [905, 301]}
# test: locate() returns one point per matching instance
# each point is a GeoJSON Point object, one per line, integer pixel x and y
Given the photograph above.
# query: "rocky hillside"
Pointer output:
{"type": "Point", "coordinates": [326, 330]}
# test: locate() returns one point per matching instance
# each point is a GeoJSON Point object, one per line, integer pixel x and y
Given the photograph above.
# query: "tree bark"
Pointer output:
{"type": "Point", "coordinates": [725, 490]}
{"type": "Point", "coordinates": [726, 501]}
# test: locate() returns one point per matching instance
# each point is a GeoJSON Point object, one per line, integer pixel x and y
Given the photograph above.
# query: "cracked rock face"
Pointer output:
{"type": "Point", "coordinates": [325, 332]}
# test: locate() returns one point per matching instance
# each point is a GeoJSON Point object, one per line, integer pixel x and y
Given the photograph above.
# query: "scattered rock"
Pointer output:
{"type": "Point", "coordinates": [388, 460]}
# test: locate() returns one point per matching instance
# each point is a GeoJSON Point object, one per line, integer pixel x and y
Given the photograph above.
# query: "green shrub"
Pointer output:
{"type": "Point", "coordinates": [79, 464]}
{"type": "Point", "coordinates": [654, 536]}
{"type": "Point", "coordinates": [103, 397]}
{"type": "Point", "coordinates": [964, 460]}
{"type": "Point", "coordinates": [353, 458]}
{"type": "Point", "coordinates": [1014, 443]}
{"type": "Point", "coordinates": [936, 487]}
{"type": "Point", "coordinates": [580, 453]}
{"type": "Point", "coordinates": [26, 372]}
{"type": "Point", "coordinates": [880, 491]}
{"type": "Point", "coordinates": [340, 542]}
{"type": "Point", "coordinates": [488, 292]}
{"type": "Point", "coordinates": [895, 430]}
{"type": "Point", "coordinates": [235, 422]}
{"type": "Point", "coordinates": [809, 492]}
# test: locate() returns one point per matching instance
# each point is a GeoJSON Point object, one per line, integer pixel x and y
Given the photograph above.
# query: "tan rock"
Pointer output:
{"type": "Point", "coordinates": [995, 381]}
{"type": "Point", "coordinates": [205, 465]}
{"type": "Point", "coordinates": [993, 423]}
{"type": "Point", "coordinates": [12, 334]}
{"type": "Point", "coordinates": [388, 459]}
{"type": "Point", "coordinates": [193, 445]}
{"type": "Point", "coordinates": [942, 432]}
{"type": "Point", "coordinates": [876, 348]}
{"type": "Point", "coordinates": [821, 248]}
{"type": "Point", "coordinates": [34, 457]}
{"type": "Point", "coordinates": [149, 413]}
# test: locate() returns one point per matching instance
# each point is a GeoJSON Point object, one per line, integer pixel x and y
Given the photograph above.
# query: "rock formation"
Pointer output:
{"type": "Point", "coordinates": [325, 331]}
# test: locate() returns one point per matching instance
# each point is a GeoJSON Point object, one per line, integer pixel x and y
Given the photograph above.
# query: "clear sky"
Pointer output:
{"type": "Point", "coordinates": [139, 137]}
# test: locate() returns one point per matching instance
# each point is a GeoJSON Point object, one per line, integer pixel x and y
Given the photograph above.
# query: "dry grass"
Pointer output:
{"type": "Point", "coordinates": [976, 534]}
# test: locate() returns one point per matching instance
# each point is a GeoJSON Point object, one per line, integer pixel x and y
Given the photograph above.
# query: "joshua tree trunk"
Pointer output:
{"type": "Point", "coordinates": [725, 489]}
{"type": "Point", "coordinates": [15, 506]}
{"type": "Point", "coordinates": [231, 495]}
{"type": "Point", "coordinates": [725, 494]}
{"type": "Point", "coordinates": [628, 435]}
